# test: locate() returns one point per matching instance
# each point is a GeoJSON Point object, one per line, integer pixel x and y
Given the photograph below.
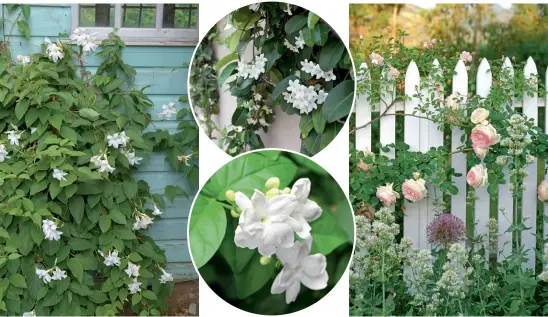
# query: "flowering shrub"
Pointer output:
{"type": "Point", "coordinates": [298, 63]}
{"type": "Point", "coordinates": [73, 226]}
{"type": "Point", "coordinates": [287, 240]}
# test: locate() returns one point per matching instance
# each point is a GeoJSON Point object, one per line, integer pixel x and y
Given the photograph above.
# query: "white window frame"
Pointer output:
{"type": "Point", "coordinates": [140, 36]}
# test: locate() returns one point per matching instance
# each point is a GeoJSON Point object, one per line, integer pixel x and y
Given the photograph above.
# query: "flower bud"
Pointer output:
{"type": "Point", "coordinates": [272, 193]}
{"type": "Point", "coordinates": [273, 182]}
{"type": "Point", "coordinates": [287, 190]}
{"type": "Point", "coordinates": [230, 195]}
{"type": "Point", "coordinates": [234, 214]}
{"type": "Point", "coordinates": [264, 260]}
{"type": "Point", "coordinates": [416, 175]}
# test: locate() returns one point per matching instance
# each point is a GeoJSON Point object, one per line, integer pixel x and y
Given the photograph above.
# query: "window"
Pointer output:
{"type": "Point", "coordinates": [140, 24]}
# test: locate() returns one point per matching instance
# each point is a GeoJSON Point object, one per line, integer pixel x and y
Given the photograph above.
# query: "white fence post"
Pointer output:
{"type": "Point", "coordinates": [388, 122]}
{"type": "Point", "coordinates": [363, 115]}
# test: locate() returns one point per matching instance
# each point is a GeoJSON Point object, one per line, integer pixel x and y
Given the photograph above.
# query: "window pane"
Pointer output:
{"type": "Point", "coordinates": [101, 15]}
{"type": "Point", "coordinates": [180, 16]}
{"type": "Point", "coordinates": [139, 15]}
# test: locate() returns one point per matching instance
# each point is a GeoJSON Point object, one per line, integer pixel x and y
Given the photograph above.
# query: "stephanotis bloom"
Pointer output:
{"type": "Point", "coordinates": [111, 258]}
{"type": "Point", "coordinates": [166, 277]}
{"type": "Point", "coordinates": [304, 98]}
{"type": "Point", "coordinates": [306, 209]}
{"type": "Point", "coordinates": [14, 137]}
{"type": "Point", "coordinates": [253, 69]}
{"type": "Point", "coordinates": [299, 268]}
{"type": "Point", "coordinates": [265, 224]}
{"type": "Point", "coordinates": [54, 50]}
{"type": "Point", "coordinates": [49, 227]}
{"type": "Point", "coordinates": [314, 69]}
{"type": "Point", "coordinates": [135, 286]}
{"type": "Point", "coordinates": [59, 174]}
{"type": "Point", "coordinates": [3, 153]}
{"type": "Point", "coordinates": [142, 221]}
{"type": "Point", "coordinates": [44, 275]}
{"type": "Point", "coordinates": [132, 270]}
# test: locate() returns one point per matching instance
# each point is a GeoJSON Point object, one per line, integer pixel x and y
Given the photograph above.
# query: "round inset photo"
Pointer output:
{"type": "Point", "coordinates": [271, 232]}
{"type": "Point", "coordinates": [271, 75]}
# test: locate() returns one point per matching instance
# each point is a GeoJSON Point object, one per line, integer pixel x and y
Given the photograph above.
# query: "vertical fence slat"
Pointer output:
{"type": "Point", "coordinates": [363, 116]}
{"type": "Point", "coordinates": [481, 205]}
{"type": "Point", "coordinates": [506, 203]}
{"type": "Point", "coordinates": [545, 232]}
{"type": "Point", "coordinates": [388, 123]}
{"type": "Point", "coordinates": [529, 204]}
{"type": "Point", "coordinates": [412, 219]}
{"type": "Point", "coordinates": [458, 161]}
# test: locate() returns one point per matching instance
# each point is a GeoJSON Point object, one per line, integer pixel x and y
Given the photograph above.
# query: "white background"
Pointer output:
{"type": "Point", "coordinates": [334, 158]}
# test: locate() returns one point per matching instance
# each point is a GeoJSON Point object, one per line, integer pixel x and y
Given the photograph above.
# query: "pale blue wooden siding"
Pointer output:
{"type": "Point", "coordinates": [165, 69]}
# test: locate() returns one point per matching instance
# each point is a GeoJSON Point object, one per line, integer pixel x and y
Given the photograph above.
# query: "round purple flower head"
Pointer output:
{"type": "Point", "coordinates": [445, 230]}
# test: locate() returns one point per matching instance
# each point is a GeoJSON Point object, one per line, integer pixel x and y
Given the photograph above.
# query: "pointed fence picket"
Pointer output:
{"type": "Point", "coordinates": [421, 134]}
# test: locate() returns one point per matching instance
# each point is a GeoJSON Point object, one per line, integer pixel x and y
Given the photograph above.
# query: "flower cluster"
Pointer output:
{"type": "Point", "coordinates": [454, 278]}
{"type": "Point", "coordinates": [54, 50]}
{"type": "Point", "coordinates": [142, 221]}
{"type": "Point", "coordinates": [304, 98]}
{"type": "Point", "coordinates": [23, 59]}
{"type": "Point", "coordinates": [259, 114]}
{"type": "Point", "coordinates": [167, 111]}
{"type": "Point", "coordinates": [269, 221]}
{"type": "Point", "coordinates": [445, 230]}
{"type": "Point", "coordinates": [413, 190]}
{"type": "Point", "coordinates": [299, 43]}
{"type": "Point", "coordinates": [483, 135]}
{"type": "Point", "coordinates": [376, 59]}
{"type": "Point", "coordinates": [314, 69]}
{"type": "Point", "coordinates": [254, 69]}
{"type": "Point", "coordinates": [86, 41]}
{"type": "Point", "coordinates": [121, 141]}
{"type": "Point", "coordinates": [49, 227]}
{"type": "Point", "coordinates": [53, 274]}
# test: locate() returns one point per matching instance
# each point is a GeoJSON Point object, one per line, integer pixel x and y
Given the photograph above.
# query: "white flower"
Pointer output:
{"type": "Point", "coordinates": [265, 224]}
{"type": "Point", "coordinates": [111, 259]}
{"type": "Point", "coordinates": [96, 160]}
{"type": "Point", "coordinates": [3, 153]}
{"type": "Point", "coordinates": [29, 314]}
{"type": "Point", "coordinates": [243, 70]}
{"type": "Point", "coordinates": [104, 166]}
{"type": "Point", "coordinates": [167, 111]}
{"type": "Point", "coordinates": [322, 95]}
{"type": "Point", "coordinates": [86, 41]}
{"type": "Point", "coordinates": [49, 228]}
{"type": "Point", "coordinates": [113, 140]}
{"type": "Point", "coordinates": [132, 270]}
{"type": "Point", "coordinates": [44, 275]}
{"type": "Point", "coordinates": [135, 286]}
{"type": "Point", "coordinates": [54, 51]}
{"type": "Point", "coordinates": [24, 59]}
{"type": "Point", "coordinates": [32, 130]}
{"type": "Point", "coordinates": [299, 41]}
{"type": "Point", "coordinates": [263, 122]}
{"type": "Point", "coordinates": [58, 274]}
{"type": "Point", "coordinates": [142, 221]}
{"type": "Point", "coordinates": [59, 174]}
{"type": "Point", "coordinates": [166, 277]}
{"type": "Point", "coordinates": [301, 97]}
{"type": "Point", "coordinates": [184, 159]}
{"type": "Point", "coordinates": [257, 97]}
{"type": "Point", "coordinates": [156, 211]}
{"type": "Point", "coordinates": [253, 69]}
{"type": "Point", "coordinates": [133, 160]}
{"type": "Point", "coordinates": [14, 137]}
{"type": "Point", "coordinates": [124, 139]}
{"type": "Point", "coordinates": [306, 209]}
{"type": "Point", "coordinates": [300, 267]}
{"type": "Point", "coordinates": [314, 69]}
{"type": "Point", "coordinates": [290, 46]}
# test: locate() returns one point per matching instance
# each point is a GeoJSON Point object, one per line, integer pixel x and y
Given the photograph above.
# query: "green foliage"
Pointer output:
{"type": "Point", "coordinates": [236, 274]}
{"type": "Point", "coordinates": [63, 115]}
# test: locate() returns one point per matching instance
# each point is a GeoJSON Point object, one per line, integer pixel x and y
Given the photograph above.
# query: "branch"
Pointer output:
{"type": "Point", "coordinates": [378, 118]}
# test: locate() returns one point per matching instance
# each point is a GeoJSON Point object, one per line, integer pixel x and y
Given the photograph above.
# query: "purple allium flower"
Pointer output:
{"type": "Point", "coordinates": [445, 230]}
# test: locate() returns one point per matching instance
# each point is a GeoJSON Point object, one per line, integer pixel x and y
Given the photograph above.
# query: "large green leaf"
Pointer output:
{"type": "Point", "coordinates": [316, 142]}
{"type": "Point", "coordinates": [321, 32]}
{"type": "Point", "coordinates": [236, 257]}
{"type": "Point", "coordinates": [253, 277]}
{"type": "Point", "coordinates": [312, 20]}
{"type": "Point", "coordinates": [294, 24]}
{"type": "Point", "coordinates": [338, 103]}
{"type": "Point", "coordinates": [76, 207]}
{"type": "Point", "coordinates": [331, 53]}
{"type": "Point", "coordinates": [230, 58]}
{"type": "Point", "coordinates": [327, 234]}
{"type": "Point", "coordinates": [206, 229]}
{"type": "Point", "coordinates": [247, 173]}
{"type": "Point", "coordinates": [76, 268]}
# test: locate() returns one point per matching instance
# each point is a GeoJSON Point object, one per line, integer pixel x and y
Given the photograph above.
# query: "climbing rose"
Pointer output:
{"type": "Point", "coordinates": [465, 57]}
{"type": "Point", "coordinates": [387, 195]}
{"type": "Point", "coordinates": [445, 230]}
{"type": "Point", "coordinates": [363, 166]}
{"type": "Point", "coordinates": [376, 59]}
{"type": "Point", "coordinates": [480, 151]}
{"type": "Point", "coordinates": [477, 176]}
{"type": "Point", "coordinates": [414, 190]}
{"type": "Point", "coordinates": [543, 191]}
{"type": "Point", "coordinates": [452, 102]}
{"type": "Point", "coordinates": [479, 116]}
{"type": "Point", "coordinates": [484, 136]}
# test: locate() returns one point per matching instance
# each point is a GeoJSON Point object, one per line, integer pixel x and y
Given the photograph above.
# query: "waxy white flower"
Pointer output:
{"type": "Point", "coordinates": [253, 69]}
{"type": "Point", "coordinates": [314, 69]}
{"type": "Point", "coordinates": [118, 139]}
{"type": "Point", "coordinates": [54, 50]}
{"type": "Point", "coordinates": [167, 111]}
{"type": "Point", "coordinates": [166, 277]}
{"type": "Point", "coordinates": [24, 59]}
{"type": "Point", "coordinates": [299, 268]}
{"type": "Point", "coordinates": [134, 287]}
{"type": "Point", "coordinates": [58, 274]}
{"type": "Point", "coordinates": [111, 259]}
{"type": "Point", "coordinates": [49, 228]}
{"type": "Point", "coordinates": [44, 275]}
{"type": "Point", "coordinates": [3, 153]}
{"type": "Point", "coordinates": [102, 163]}
{"type": "Point", "coordinates": [322, 95]}
{"type": "Point", "coordinates": [265, 224]}
{"type": "Point", "coordinates": [133, 160]}
{"type": "Point", "coordinates": [29, 314]}
{"type": "Point", "coordinates": [86, 41]}
{"type": "Point", "coordinates": [14, 137]}
{"type": "Point", "coordinates": [59, 174]}
{"type": "Point", "coordinates": [306, 209]}
{"type": "Point", "coordinates": [142, 221]}
{"type": "Point", "coordinates": [132, 270]}
{"type": "Point", "coordinates": [156, 211]}
{"type": "Point", "coordinates": [302, 97]}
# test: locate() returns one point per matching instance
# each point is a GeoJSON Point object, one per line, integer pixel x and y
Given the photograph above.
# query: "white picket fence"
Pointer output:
{"type": "Point", "coordinates": [421, 134]}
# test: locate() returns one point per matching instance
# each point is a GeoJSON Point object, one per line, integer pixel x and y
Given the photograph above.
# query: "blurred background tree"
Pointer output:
{"type": "Point", "coordinates": [490, 30]}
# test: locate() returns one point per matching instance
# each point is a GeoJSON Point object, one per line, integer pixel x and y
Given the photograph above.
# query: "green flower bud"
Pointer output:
{"type": "Point", "coordinates": [264, 260]}
{"type": "Point", "coordinates": [287, 190]}
{"type": "Point", "coordinates": [273, 182]}
{"type": "Point", "coordinates": [230, 195]}
{"type": "Point", "coordinates": [234, 214]}
{"type": "Point", "coordinates": [272, 193]}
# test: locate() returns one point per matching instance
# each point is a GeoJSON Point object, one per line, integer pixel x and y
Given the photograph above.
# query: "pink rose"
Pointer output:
{"type": "Point", "coordinates": [387, 195]}
{"type": "Point", "coordinates": [543, 191]}
{"type": "Point", "coordinates": [484, 136]}
{"type": "Point", "coordinates": [477, 176]}
{"type": "Point", "coordinates": [479, 115]}
{"type": "Point", "coordinates": [414, 190]}
{"type": "Point", "coordinates": [376, 59]}
{"type": "Point", "coordinates": [480, 151]}
{"type": "Point", "coordinates": [394, 72]}
{"type": "Point", "coordinates": [363, 166]}
{"type": "Point", "coordinates": [466, 56]}
{"type": "Point", "coordinates": [428, 44]}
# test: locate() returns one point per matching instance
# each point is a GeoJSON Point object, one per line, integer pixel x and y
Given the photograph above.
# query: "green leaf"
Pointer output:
{"type": "Point", "coordinates": [282, 86]}
{"type": "Point", "coordinates": [306, 125]}
{"type": "Point", "coordinates": [117, 216]}
{"type": "Point", "coordinates": [130, 189]}
{"type": "Point", "coordinates": [316, 142]}
{"type": "Point", "coordinates": [76, 206]}
{"type": "Point", "coordinates": [104, 223]}
{"type": "Point", "coordinates": [18, 280]}
{"type": "Point", "coordinates": [226, 60]}
{"type": "Point", "coordinates": [237, 258]}
{"type": "Point", "coordinates": [338, 103]}
{"type": "Point", "coordinates": [294, 24]}
{"type": "Point", "coordinates": [173, 191]}
{"type": "Point", "coordinates": [4, 233]}
{"type": "Point", "coordinates": [21, 108]}
{"type": "Point", "coordinates": [70, 134]}
{"type": "Point", "coordinates": [76, 268]}
{"type": "Point", "coordinates": [308, 36]}
{"type": "Point", "coordinates": [89, 113]}
{"type": "Point", "coordinates": [149, 295]}
{"type": "Point", "coordinates": [206, 229]}
{"type": "Point", "coordinates": [331, 54]}
{"type": "Point", "coordinates": [26, 11]}
{"type": "Point", "coordinates": [78, 244]}
{"type": "Point", "coordinates": [117, 83]}
{"type": "Point", "coordinates": [321, 32]}
{"type": "Point", "coordinates": [253, 277]}
{"type": "Point", "coordinates": [227, 72]}
{"type": "Point", "coordinates": [318, 121]}
{"type": "Point", "coordinates": [312, 20]}
{"type": "Point", "coordinates": [24, 28]}
{"type": "Point", "coordinates": [327, 234]}
{"type": "Point", "coordinates": [56, 121]}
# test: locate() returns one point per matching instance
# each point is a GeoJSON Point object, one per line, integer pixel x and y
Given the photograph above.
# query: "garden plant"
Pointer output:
{"type": "Point", "coordinates": [298, 63]}
{"type": "Point", "coordinates": [73, 226]}
{"type": "Point", "coordinates": [461, 273]}
{"type": "Point", "coordinates": [271, 232]}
